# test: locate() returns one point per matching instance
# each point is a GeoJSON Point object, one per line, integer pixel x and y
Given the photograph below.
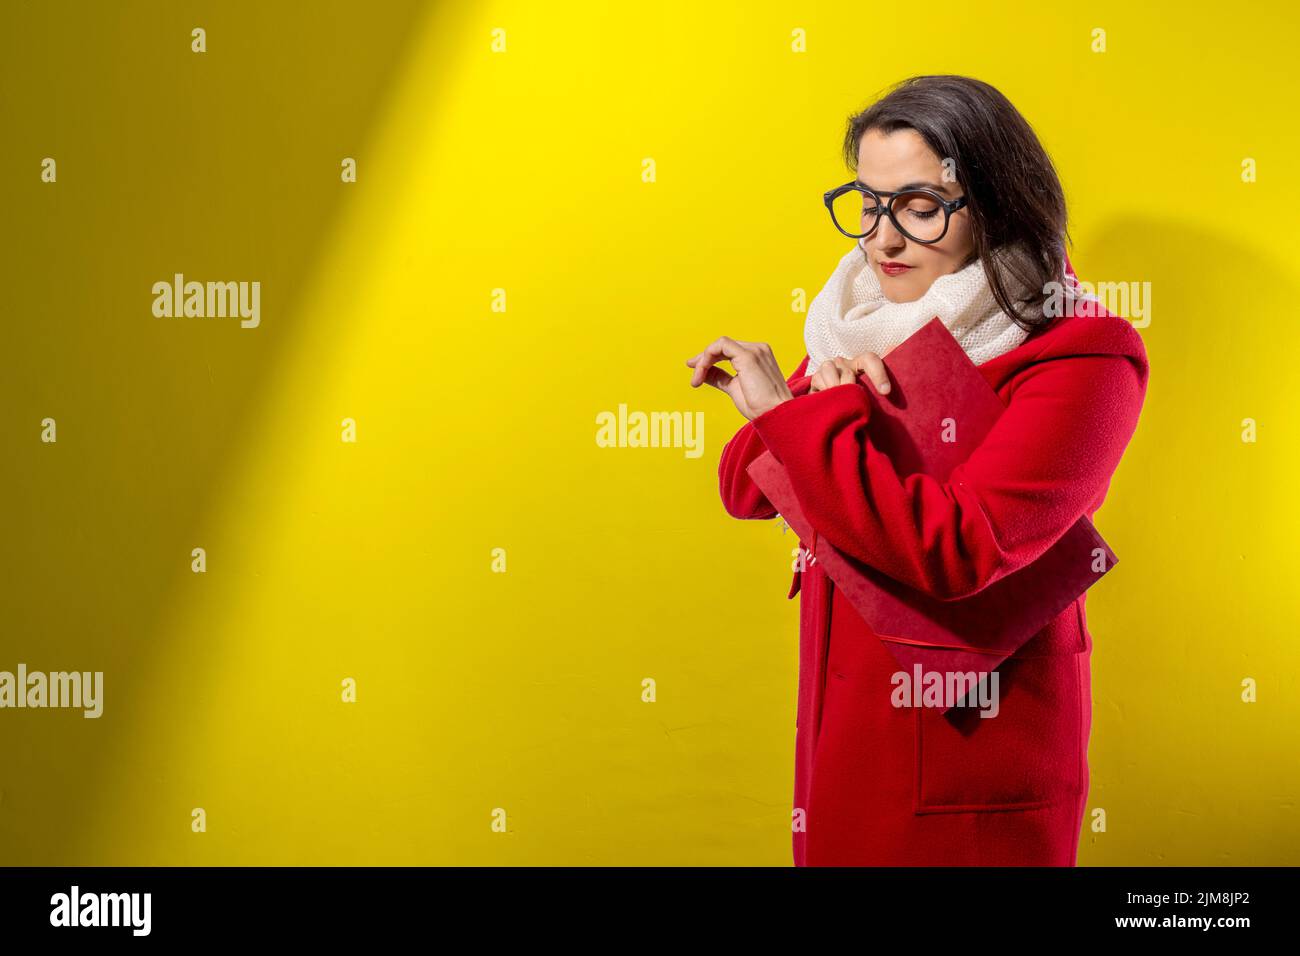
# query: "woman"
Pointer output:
{"type": "Point", "coordinates": [956, 212]}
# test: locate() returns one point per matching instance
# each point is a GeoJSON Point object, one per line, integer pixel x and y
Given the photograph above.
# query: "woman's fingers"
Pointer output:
{"type": "Point", "coordinates": [758, 384]}
{"type": "Point", "coordinates": [719, 379]}
{"type": "Point", "coordinates": [825, 377]}
{"type": "Point", "coordinates": [842, 371]}
{"type": "Point", "coordinates": [725, 347]}
{"type": "Point", "coordinates": [874, 367]}
{"type": "Point", "coordinates": [832, 372]}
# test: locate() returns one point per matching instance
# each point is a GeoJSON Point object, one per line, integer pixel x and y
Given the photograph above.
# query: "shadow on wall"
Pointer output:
{"type": "Point", "coordinates": [1210, 547]}
{"type": "Point", "coordinates": [1219, 327]}
{"type": "Point", "coordinates": [222, 165]}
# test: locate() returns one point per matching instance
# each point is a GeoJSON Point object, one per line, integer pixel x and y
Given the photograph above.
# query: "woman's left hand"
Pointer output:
{"type": "Point", "coordinates": [842, 371]}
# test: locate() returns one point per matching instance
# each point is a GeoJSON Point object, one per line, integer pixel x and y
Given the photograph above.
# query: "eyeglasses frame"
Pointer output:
{"type": "Point", "coordinates": [949, 206]}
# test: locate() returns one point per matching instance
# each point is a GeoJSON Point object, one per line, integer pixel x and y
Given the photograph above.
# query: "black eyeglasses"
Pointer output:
{"type": "Point", "coordinates": [920, 214]}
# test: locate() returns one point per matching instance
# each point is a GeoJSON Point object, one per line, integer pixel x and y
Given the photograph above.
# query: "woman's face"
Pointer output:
{"type": "Point", "coordinates": [889, 162]}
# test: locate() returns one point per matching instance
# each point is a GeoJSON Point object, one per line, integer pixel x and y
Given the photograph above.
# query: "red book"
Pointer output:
{"type": "Point", "coordinates": [933, 380]}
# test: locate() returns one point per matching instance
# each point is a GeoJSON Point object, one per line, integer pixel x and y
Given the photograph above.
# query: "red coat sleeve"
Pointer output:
{"type": "Point", "coordinates": [740, 496]}
{"type": "Point", "coordinates": [1046, 460]}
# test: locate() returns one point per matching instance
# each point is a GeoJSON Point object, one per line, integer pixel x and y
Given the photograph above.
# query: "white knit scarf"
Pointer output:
{"type": "Point", "coordinates": [851, 314]}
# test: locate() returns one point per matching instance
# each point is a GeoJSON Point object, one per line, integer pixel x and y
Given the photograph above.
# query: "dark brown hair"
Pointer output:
{"type": "Point", "coordinates": [1013, 192]}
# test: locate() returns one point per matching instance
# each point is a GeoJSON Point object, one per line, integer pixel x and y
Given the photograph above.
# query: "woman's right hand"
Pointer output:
{"type": "Point", "coordinates": [758, 386]}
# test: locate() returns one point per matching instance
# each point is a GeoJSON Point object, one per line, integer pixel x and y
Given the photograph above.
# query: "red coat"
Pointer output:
{"type": "Point", "coordinates": [887, 786]}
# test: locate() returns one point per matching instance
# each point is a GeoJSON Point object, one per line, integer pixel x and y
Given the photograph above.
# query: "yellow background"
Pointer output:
{"type": "Point", "coordinates": [476, 429]}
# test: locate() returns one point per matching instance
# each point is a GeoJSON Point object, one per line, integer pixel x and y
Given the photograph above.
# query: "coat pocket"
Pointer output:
{"type": "Point", "coordinates": [1063, 635]}
{"type": "Point", "coordinates": [1027, 754]}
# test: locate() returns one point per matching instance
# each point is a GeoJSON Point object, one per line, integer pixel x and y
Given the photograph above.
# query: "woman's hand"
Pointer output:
{"type": "Point", "coordinates": [758, 384]}
{"type": "Point", "coordinates": [842, 371]}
